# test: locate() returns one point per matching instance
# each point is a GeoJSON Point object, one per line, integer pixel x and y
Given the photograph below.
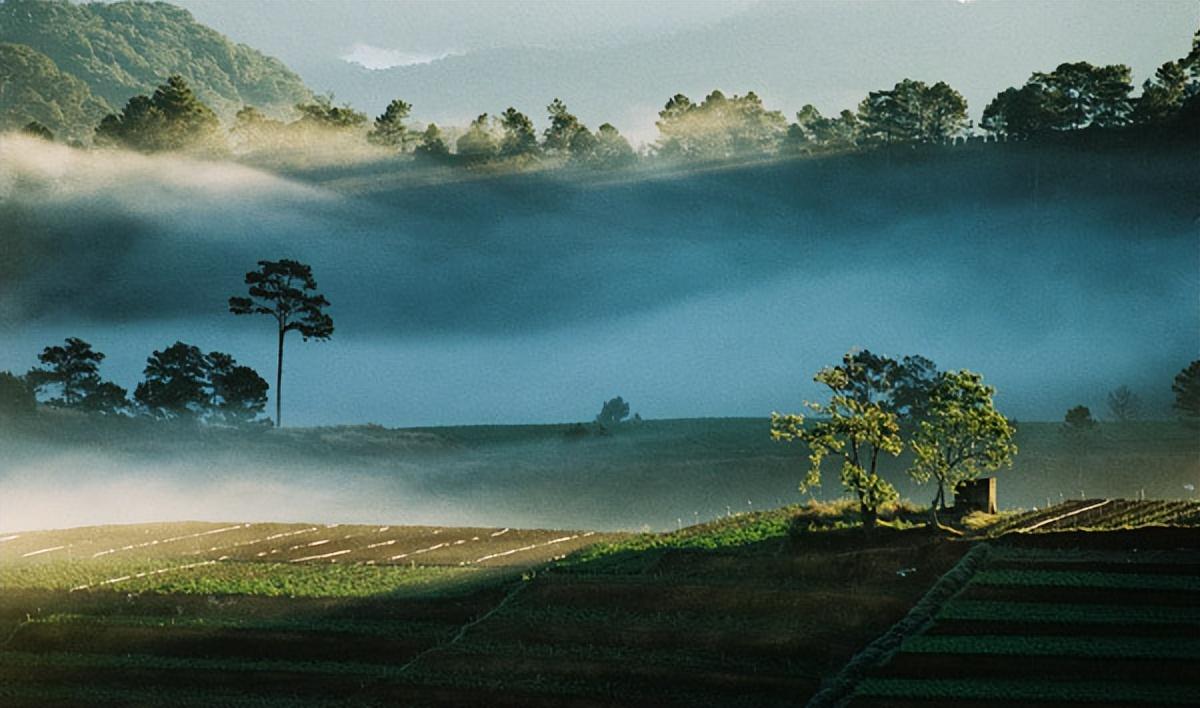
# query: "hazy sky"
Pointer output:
{"type": "Point", "coordinates": [619, 61]}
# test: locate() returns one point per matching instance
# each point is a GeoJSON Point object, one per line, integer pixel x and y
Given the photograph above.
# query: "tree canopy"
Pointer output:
{"type": "Point", "coordinates": [171, 119]}
{"type": "Point", "coordinates": [961, 435]}
{"type": "Point", "coordinates": [72, 370]}
{"type": "Point", "coordinates": [851, 429]}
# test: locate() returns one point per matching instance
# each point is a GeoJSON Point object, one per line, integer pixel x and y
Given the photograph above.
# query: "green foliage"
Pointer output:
{"type": "Point", "coordinates": [1057, 613]}
{"type": "Point", "coordinates": [519, 138]}
{"type": "Point", "coordinates": [563, 129]}
{"type": "Point", "coordinates": [72, 370]}
{"type": "Point", "coordinates": [1093, 647]}
{"type": "Point", "coordinates": [606, 149]}
{"type": "Point", "coordinates": [183, 382]}
{"type": "Point", "coordinates": [962, 435]}
{"type": "Point", "coordinates": [432, 145]}
{"type": "Point", "coordinates": [612, 412]}
{"type": "Point", "coordinates": [1024, 691]}
{"type": "Point", "coordinates": [814, 133]}
{"type": "Point", "coordinates": [172, 119]}
{"type": "Point", "coordinates": [321, 113]}
{"type": "Point", "coordinates": [1086, 579]}
{"type": "Point", "coordinates": [720, 127]}
{"type": "Point", "coordinates": [390, 130]}
{"type": "Point", "coordinates": [17, 398]}
{"type": "Point", "coordinates": [479, 143]}
{"type": "Point", "coordinates": [1078, 421]}
{"type": "Point", "coordinates": [1186, 388]}
{"type": "Point", "coordinates": [913, 112]}
{"type": "Point", "coordinates": [1074, 95]}
{"type": "Point", "coordinates": [856, 431]}
{"type": "Point", "coordinates": [35, 91]}
{"type": "Point", "coordinates": [121, 49]}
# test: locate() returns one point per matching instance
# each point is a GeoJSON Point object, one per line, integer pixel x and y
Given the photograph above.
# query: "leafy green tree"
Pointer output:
{"type": "Point", "coordinates": [612, 412]}
{"type": "Point", "coordinates": [253, 128]}
{"type": "Point", "coordinates": [914, 380]}
{"type": "Point", "coordinates": [1080, 95]}
{"type": "Point", "coordinates": [814, 133]}
{"type": "Point", "coordinates": [175, 383]}
{"type": "Point", "coordinates": [720, 127]}
{"type": "Point", "coordinates": [17, 398]}
{"type": "Point", "coordinates": [961, 436]}
{"type": "Point", "coordinates": [432, 146]}
{"type": "Point", "coordinates": [478, 144]}
{"type": "Point", "coordinates": [605, 149]}
{"type": "Point", "coordinates": [321, 113]}
{"type": "Point", "coordinates": [285, 290]}
{"type": "Point", "coordinates": [911, 111]}
{"type": "Point", "coordinates": [237, 394]}
{"type": "Point", "coordinates": [1124, 405]}
{"type": "Point", "coordinates": [563, 129]}
{"type": "Point", "coordinates": [519, 137]}
{"type": "Point", "coordinates": [1019, 113]}
{"type": "Point", "coordinates": [390, 130]}
{"type": "Point", "coordinates": [1186, 388]}
{"type": "Point", "coordinates": [848, 428]}
{"type": "Point", "coordinates": [72, 371]}
{"type": "Point", "coordinates": [171, 119]}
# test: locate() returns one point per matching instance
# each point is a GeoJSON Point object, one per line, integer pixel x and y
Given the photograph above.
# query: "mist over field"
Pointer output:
{"type": "Point", "coordinates": [533, 297]}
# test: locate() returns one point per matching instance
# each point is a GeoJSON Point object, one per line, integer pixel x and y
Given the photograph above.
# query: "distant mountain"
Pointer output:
{"type": "Point", "coordinates": [33, 88]}
{"type": "Point", "coordinates": [122, 49]}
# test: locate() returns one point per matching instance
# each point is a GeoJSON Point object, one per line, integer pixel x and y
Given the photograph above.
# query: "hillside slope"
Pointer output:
{"type": "Point", "coordinates": [33, 88]}
{"type": "Point", "coordinates": [125, 48]}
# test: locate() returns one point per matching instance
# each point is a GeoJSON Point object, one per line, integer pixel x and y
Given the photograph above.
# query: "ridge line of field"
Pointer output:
{"type": "Point", "coordinates": [462, 631]}
{"type": "Point", "coordinates": [839, 688]}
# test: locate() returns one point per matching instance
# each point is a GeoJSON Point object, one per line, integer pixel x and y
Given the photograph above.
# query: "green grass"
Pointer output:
{"type": "Point", "coordinates": [246, 578]}
{"type": "Point", "coordinates": [1086, 579]}
{"type": "Point", "coordinates": [1021, 690]}
{"type": "Point", "coordinates": [74, 660]}
{"type": "Point", "coordinates": [1091, 647]}
{"type": "Point", "coordinates": [986, 610]}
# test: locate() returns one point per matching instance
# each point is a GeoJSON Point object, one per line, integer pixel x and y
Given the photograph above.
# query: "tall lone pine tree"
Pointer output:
{"type": "Point", "coordinates": [285, 290]}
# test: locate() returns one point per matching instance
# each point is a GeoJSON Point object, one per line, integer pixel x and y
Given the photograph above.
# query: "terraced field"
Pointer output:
{"type": "Point", "coordinates": [1071, 618]}
{"type": "Point", "coordinates": [737, 612]}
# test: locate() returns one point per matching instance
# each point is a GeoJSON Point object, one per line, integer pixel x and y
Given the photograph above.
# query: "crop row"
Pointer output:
{"type": "Point", "coordinates": [996, 611]}
{"type": "Point", "coordinates": [1091, 647]}
{"type": "Point", "coordinates": [1086, 579]}
{"type": "Point", "coordinates": [1024, 690]}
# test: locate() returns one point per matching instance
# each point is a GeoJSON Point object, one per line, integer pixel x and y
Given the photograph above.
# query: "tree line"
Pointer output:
{"type": "Point", "coordinates": [181, 381]}
{"type": "Point", "coordinates": [1073, 96]}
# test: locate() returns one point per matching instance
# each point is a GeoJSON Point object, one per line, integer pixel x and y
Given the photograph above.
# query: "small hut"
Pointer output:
{"type": "Point", "coordinates": [976, 495]}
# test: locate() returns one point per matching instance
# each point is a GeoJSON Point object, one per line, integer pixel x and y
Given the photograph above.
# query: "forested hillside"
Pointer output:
{"type": "Point", "coordinates": [123, 49]}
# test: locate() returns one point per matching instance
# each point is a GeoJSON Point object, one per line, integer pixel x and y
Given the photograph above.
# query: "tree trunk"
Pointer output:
{"type": "Point", "coordinates": [869, 516]}
{"type": "Point", "coordinates": [279, 382]}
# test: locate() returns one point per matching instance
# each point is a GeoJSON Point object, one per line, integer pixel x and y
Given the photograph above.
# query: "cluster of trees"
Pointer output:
{"type": "Point", "coordinates": [1073, 96]}
{"type": "Point", "coordinates": [180, 382]}
{"type": "Point", "coordinates": [878, 405]}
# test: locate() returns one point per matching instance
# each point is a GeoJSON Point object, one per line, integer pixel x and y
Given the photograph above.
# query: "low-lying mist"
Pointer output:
{"type": "Point", "coordinates": [1060, 273]}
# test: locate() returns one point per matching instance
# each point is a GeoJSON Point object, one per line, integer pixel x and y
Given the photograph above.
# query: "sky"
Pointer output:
{"type": "Point", "coordinates": [618, 61]}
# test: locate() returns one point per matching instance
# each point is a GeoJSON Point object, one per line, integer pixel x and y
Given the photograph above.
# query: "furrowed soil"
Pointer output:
{"type": "Point", "coordinates": [733, 613]}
